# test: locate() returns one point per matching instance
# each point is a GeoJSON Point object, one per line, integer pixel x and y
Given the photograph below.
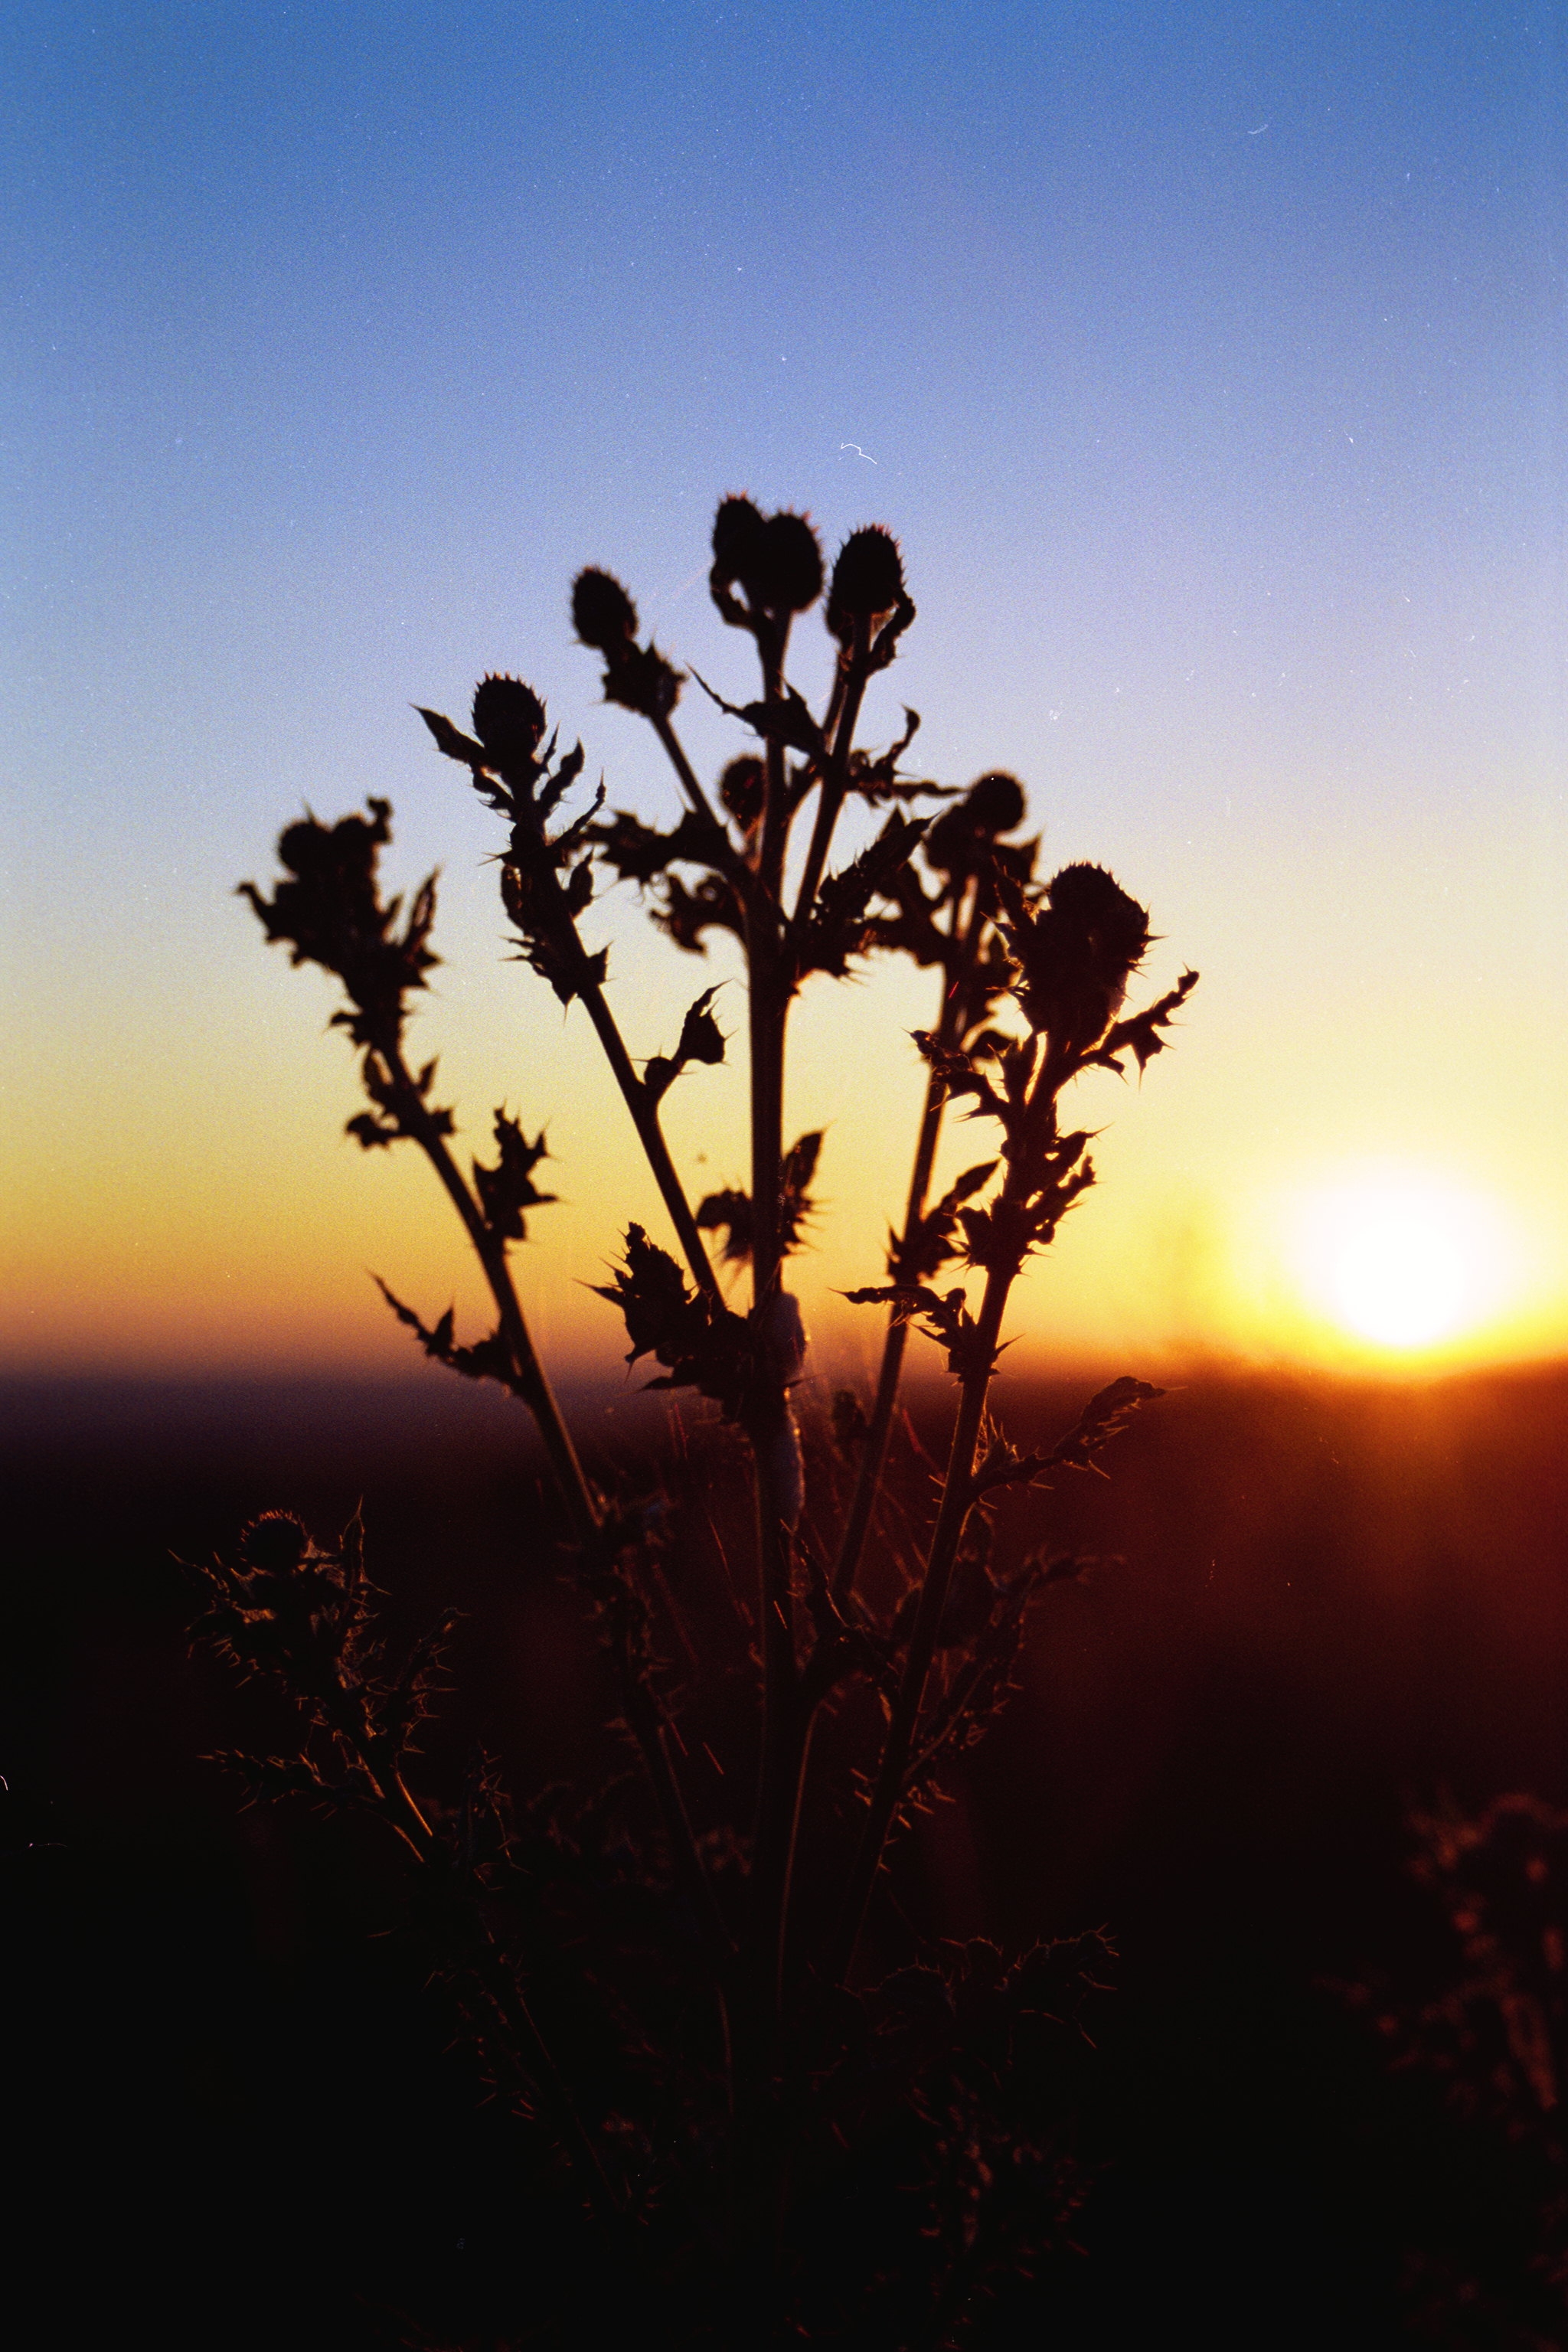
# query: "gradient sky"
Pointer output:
{"type": "Point", "coordinates": [1211, 361]}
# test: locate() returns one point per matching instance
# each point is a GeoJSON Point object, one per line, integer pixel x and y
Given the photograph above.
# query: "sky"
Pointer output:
{"type": "Point", "coordinates": [1208, 361]}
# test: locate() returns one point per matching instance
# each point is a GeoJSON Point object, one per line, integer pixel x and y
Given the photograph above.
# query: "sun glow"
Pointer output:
{"type": "Point", "coordinates": [1401, 1258]}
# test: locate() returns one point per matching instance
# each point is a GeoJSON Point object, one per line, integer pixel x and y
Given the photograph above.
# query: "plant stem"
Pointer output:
{"type": "Point", "coordinates": [951, 1021]}
{"type": "Point", "coordinates": [520, 2036]}
{"type": "Point", "coordinates": [835, 774]}
{"type": "Point", "coordinates": [650, 1135]}
{"type": "Point", "coordinates": [771, 988]}
{"type": "Point", "coordinates": [772, 644]}
{"type": "Point", "coordinates": [956, 1502]}
{"type": "Point", "coordinates": [646, 1718]}
{"type": "Point", "coordinates": [1036, 1128]}
{"type": "Point", "coordinates": [642, 1708]}
{"type": "Point", "coordinates": [686, 772]}
{"type": "Point", "coordinates": [769, 1430]}
{"type": "Point", "coordinates": [582, 1508]}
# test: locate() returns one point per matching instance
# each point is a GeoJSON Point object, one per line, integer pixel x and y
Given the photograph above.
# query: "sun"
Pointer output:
{"type": "Point", "coordinates": [1401, 1258]}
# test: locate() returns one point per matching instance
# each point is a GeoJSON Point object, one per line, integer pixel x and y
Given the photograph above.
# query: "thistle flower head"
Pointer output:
{"type": "Point", "coordinates": [776, 559]}
{"type": "Point", "coordinates": [995, 803]}
{"type": "Point", "coordinates": [738, 529]}
{"type": "Point", "coordinates": [1076, 953]}
{"type": "Point", "coordinates": [274, 1544]}
{"type": "Point", "coordinates": [508, 719]}
{"type": "Point", "coordinates": [957, 843]}
{"type": "Point", "coordinates": [867, 580]}
{"type": "Point", "coordinates": [791, 564]}
{"type": "Point", "coordinates": [603, 614]}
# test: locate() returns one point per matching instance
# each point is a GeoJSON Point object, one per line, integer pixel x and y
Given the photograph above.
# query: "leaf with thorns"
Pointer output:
{"type": "Point", "coordinates": [876, 779]}
{"type": "Point", "coordinates": [701, 1040]}
{"type": "Point", "coordinates": [837, 928]}
{"type": "Point", "coordinates": [328, 909]}
{"type": "Point", "coordinates": [1105, 1415]}
{"type": "Point", "coordinates": [684, 915]}
{"type": "Point", "coordinates": [788, 722]}
{"type": "Point", "coordinates": [508, 1189]}
{"type": "Point", "coordinates": [730, 1212]}
{"type": "Point", "coordinates": [640, 851]}
{"type": "Point", "coordinates": [927, 1246]}
{"type": "Point", "coordinates": [1139, 1035]}
{"type": "Point", "coordinates": [959, 1071]}
{"type": "Point", "coordinates": [943, 1318]}
{"type": "Point", "coordinates": [486, 1360]}
{"type": "Point", "coordinates": [704, 1347]}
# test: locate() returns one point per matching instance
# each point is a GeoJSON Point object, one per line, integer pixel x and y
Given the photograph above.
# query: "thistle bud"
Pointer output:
{"type": "Point", "coordinates": [508, 719]}
{"type": "Point", "coordinates": [868, 580]}
{"type": "Point", "coordinates": [738, 529]}
{"type": "Point", "coordinates": [742, 788]}
{"type": "Point", "coordinates": [995, 803]}
{"type": "Point", "coordinates": [791, 564]}
{"type": "Point", "coordinates": [274, 1545]}
{"type": "Point", "coordinates": [602, 613]}
{"type": "Point", "coordinates": [1113, 926]}
{"type": "Point", "coordinates": [776, 559]}
{"type": "Point", "coordinates": [992, 806]}
{"type": "Point", "coordinates": [1077, 953]}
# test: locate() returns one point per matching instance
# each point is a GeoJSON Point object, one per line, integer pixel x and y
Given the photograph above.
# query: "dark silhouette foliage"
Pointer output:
{"type": "Point", "coordinates": [769, 2132]}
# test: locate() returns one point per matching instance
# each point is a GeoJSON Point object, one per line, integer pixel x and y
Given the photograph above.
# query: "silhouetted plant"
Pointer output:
{"type": "Point", "coordinates": [846, 2160]}
{"type": "Point", "coordinates": [1492, 2032]}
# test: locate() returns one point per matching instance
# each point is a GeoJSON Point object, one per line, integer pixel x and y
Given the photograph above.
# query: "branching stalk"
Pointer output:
{"type": "Point", "coordinates": [582, 1508]}
{"type": "Point", "coordinates": [874, 1450]}
{"type": "Point", "coordinates": [650, 1135]}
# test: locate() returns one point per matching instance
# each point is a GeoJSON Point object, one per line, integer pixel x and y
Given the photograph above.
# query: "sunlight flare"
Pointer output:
{"type": "Point", "coordinates": [1403, 1258]}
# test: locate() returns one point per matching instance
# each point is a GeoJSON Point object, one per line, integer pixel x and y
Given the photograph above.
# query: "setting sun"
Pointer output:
{"type": "Point", "coordinates": [1403, 1258]}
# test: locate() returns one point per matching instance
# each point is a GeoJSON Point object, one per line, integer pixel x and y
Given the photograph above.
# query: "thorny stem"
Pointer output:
{"type": "Point", "coordinates": [650, 1135]}
{"type": "Point", "coordinates": [772, 644]}
{"type": "Point", "coordinates": [494, 1978]}
{"type": "Point", "coordinates": [874, 1452]}
{"type": "Point", "coordinates": [957, 1501]}
{"type": "Point", "coordinates": [582, 1508]}
{"type": "Point", "coordinates": [685, 771]}
{"type": "Point", "coordinates": [768, 1013]}
{"type": "Point", "coordinates": [834, 776]}
{"type": "Point", "coordinates": [787, 1723]}
{"type": "Point", "coordinates": [646, 1718]}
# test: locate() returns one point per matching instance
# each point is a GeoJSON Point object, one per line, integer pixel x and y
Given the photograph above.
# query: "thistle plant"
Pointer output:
{"type": "Point", "coordinates": [715, 2153]}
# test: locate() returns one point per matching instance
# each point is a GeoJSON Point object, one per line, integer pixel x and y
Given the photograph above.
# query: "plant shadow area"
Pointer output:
{"type": "Point", "coordinates": [245, 2117]}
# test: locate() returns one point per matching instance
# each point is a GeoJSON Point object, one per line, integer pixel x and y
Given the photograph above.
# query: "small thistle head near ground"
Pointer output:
{"type": "Point", "coordinates": [274, 1544]}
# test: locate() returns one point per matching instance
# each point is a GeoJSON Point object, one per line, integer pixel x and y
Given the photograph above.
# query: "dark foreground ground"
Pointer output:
{"type": "Point", "coordinates": [233, 2111]}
